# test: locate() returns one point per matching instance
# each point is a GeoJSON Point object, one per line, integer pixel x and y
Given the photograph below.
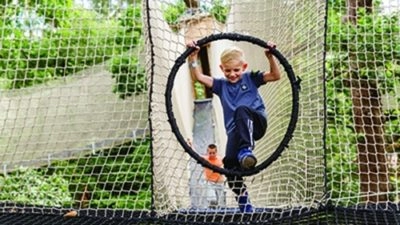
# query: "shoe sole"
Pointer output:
{"type": "Point", "coordinates": [249, 162]}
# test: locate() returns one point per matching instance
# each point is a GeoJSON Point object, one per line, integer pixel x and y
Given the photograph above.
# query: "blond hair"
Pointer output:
{"type": "Point", "coordinates": [232, 53]}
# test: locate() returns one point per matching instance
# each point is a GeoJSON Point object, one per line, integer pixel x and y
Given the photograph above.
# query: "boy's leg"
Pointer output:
{"type": "Point", "coordinates": [244, 203]}
{"type": "Point", "coordinates": [244, 127]}
{"type": "Point", "coordinates": [221, 195]}
{"type": "Point", "coordinates": [211, 195]}
{"type": "Point", "coordinates": [219, 192]}
{"type": "Point", "coordinates": [239, 188]}
{"type": "Point", "coordinates": [260, 125]}
{"type": "Point", "coordinates": [230, 160]}
{"type": "Point", "coordinates": [250, 125]}
{"type": "Point", "coordinates": [236, 183]}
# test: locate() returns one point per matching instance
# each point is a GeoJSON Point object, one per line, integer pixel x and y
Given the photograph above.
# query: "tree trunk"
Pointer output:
{"type": "Point", "coordinates": [368, 119]}
{"type": "Point", "coordinates": [353, 5]}
{"type": "Point", "coordinates": [369, 124]}
{"type": "Point", "coordinates": [192, 3]}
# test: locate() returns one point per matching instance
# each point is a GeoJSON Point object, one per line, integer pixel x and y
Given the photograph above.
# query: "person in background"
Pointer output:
{"type": "Point", "coordinates": [215, 182]}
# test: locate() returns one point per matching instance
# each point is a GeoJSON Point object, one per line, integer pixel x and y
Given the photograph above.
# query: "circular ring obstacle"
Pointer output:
{"type": "Point", "coordinates": [295, 87]}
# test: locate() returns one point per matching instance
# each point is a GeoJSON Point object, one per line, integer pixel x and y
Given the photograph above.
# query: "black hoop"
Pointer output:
{"type": "Point", "coordinates": [295, 84]}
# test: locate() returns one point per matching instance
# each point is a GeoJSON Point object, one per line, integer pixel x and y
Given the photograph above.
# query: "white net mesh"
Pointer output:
{"type": "Point", "coordinates": [74, 106]}
{"type": "Point", "coordinates": [363, 103]}
{"type": "Point", "coordinates": [84, 126]}
{"type": "Point", "coordinates": [296, 178]}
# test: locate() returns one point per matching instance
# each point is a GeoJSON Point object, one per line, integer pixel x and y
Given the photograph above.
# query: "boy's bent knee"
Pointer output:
{"type": "Point", "coordinates": [242, 110]}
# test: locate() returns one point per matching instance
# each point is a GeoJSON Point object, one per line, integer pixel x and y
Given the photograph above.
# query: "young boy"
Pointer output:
{"type": "Point", "coordinates": [215, 180]}
{"type": "Point", "coordinates": [244, 110]}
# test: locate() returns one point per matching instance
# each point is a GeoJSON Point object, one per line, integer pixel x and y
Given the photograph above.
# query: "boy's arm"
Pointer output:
{"type": "Point", "coordinates": [194, 66]}
{"type": "Point", "coordinates": [274, 74]}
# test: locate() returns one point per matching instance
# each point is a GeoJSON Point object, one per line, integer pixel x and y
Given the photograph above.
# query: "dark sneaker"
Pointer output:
{"type": "Point", "coordinates": [244, 203]}
{"type": "Point", "coordinates": [246, 158]}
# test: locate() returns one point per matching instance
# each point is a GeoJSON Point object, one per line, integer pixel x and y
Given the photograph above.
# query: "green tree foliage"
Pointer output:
{"type": "Point", "coordinates": [199, 90]}
{"type": "Point", "coordinates": [129, 76]}
{"type": "Point", "coordinates": [32, 187]}
{"type": "Point", "coordinates": [130, 23]}
{"type": "Point", "coordinates": [219, 10]}
{"type": "Point", "coordinates": [61, 51]}
{"type": "Point", "coordinates": [55, 11]}
{"type": "Point", "coordinates": [126, 68]}
{"type": "Point", "coordinates": [172, 12]}
{"type": "Point", "coordinates": [53, 40]}
{"type": "Point", "coordinates": [375, 43]}
{"type": "Point", "coordinates": [110, 8]}
{"type": "Point", "coordinates": [114, 178]}
{"type": "Point", "coordinates": [341, 156]}
{"type": "Point", "coordinates": [117, 178]}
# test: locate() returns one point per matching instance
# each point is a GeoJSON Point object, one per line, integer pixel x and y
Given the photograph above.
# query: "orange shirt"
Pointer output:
{"type": "Point", "coordinates": [210, 174]}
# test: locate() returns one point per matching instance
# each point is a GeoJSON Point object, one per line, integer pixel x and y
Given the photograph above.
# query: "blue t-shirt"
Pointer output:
{"type": "Point", "coordinates": [242, 93]}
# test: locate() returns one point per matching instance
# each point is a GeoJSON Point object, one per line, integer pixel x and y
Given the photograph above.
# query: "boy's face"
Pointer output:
{"type": "Point", "coordinates": [212, 153]}
{"type": "Point", "coordinates": [233, 70]}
